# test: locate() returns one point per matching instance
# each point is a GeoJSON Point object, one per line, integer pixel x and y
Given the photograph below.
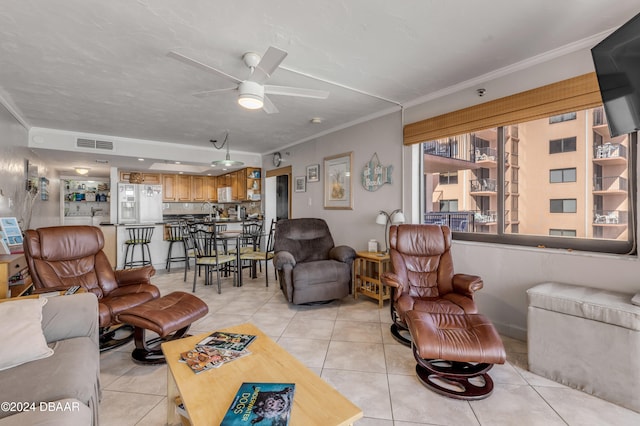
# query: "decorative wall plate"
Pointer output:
{"type": "Point", "coordinates": [374, 174]}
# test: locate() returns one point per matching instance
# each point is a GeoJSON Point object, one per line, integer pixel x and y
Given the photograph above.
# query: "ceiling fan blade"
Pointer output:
{"type": "Point", "coordinates": [272, 58]}
{"type": "Point", "coordinates": [268, 106]}
{"type": "Point", "coordinates": [194, 63]}
{"type": "Point", "coordinates": [206, 93]}
{"type": "Point", "coordinates": [295, 91]}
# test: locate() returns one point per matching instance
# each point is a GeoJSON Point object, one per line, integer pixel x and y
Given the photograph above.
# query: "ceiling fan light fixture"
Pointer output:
{"type": "Point", "coordinates": [251, 95]}
{"type": "Point", "coordinates": [250, 101]}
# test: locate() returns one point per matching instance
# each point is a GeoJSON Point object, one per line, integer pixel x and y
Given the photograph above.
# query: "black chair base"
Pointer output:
{"type": "Point", "coordinates": [115, 336]}
{"type": "Point", "coordinates": [148, 352]}
{"type": "Point", "coordinates": [401, 334]}
{"type": "Point", "coordinates": [459, 380]}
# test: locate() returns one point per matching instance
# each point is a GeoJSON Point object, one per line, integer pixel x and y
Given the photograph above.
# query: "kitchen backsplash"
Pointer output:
{"type": "Point", "coordinates": [205, 208]}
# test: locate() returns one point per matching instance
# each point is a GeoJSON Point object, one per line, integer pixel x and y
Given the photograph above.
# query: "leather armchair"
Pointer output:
{"type": "Point", "coordinates": [423, 277]}
{"type": "Point", "coordinates": [62, 256]}
{"type": "Point", "coordinates": [310, 267]}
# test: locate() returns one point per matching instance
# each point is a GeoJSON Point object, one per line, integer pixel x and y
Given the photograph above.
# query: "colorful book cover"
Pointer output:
{"type": "Point", "coordinates": [205, 358]}
{"type": "Point", "coordinates": [266, 403]}
{"type": "Point", "coordinates": [229, 341]}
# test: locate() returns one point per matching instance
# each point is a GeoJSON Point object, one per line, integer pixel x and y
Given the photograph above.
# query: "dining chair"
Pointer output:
{"type": "Point", "coordinates": [251, 236]}
{"type": "Point", "coordinates": [209, 256]}
{"type": "Point", "coordinates": [189, 245]}
{"type": "Point", "coordinates": [258, 255]}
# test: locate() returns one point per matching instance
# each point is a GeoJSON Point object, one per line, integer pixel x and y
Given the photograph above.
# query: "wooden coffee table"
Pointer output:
{"type": "Point", "coordinates": [208, 395]}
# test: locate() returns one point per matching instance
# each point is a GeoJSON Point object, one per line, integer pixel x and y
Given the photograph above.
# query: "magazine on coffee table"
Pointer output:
{"type": "Point", "coordinates": [255, 402]}
{"type": "Point", "coordinates": [204, 358]}
{"type": "Point", "coordinates": [229, 341]}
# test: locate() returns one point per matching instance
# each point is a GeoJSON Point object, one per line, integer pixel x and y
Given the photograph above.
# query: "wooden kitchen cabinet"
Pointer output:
{"type": "Point", "coordinates": [198, 188]}
{"type": "Point", "coordinates": [184, 187]}
{"type": "Point", "coordinates": [241, 184]}
{"type": "Point", "coordinates": [169, 188]}
{"type": "Point", "coordinates": [233, 176]}
{"type": "Point", "coordinates": [211, 187]}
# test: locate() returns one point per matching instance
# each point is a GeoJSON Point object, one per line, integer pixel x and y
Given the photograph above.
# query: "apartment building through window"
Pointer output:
{"type": "Point", "coordinates": [501, 192]}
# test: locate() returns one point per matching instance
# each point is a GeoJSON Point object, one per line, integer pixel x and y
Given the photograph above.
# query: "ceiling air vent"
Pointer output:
{"type": "Point", "coordinates": [104, 145]}
{"type": "Point", "coordinates": [86, 143]}
{"type": "Point", "coordinates": [94, 144]}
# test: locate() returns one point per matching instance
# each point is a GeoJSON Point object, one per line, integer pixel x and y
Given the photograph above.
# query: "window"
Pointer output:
{"type": "Point", "coordinates": [448, 205]}
{"type": "Point", "coordinates": [508, 200]}
{"type": "Point", "coordinates": [448, 178]}
{"type": "Point", "coordinates": [567, 116]}
{"type": "Point", "coordinates": [562, 232]}
{"type": "Point", "coordinates": [562, 145]}
{"type": "Point", "coordinates": [562, 175]}
{"type": "Point", "coordinates": [567, 205]}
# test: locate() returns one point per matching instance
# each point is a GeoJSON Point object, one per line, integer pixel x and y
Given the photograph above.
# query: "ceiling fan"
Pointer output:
{"type": "Point", "coordinates": [253, 91]}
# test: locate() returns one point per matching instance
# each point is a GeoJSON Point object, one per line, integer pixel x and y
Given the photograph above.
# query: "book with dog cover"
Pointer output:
{"type": "Point", "coordinates": [268, 404]}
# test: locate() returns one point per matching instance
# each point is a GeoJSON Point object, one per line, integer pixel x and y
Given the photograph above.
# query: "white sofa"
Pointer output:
{"type": "Point", "coordinates": [586, 338]}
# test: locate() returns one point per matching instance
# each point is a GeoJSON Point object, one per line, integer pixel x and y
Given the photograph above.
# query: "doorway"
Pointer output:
{"type": "Point", "coordinates": [277, 196]}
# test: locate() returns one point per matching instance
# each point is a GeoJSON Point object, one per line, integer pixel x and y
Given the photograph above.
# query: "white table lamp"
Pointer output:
{"type": "Point", "coordinates": [384, 218]}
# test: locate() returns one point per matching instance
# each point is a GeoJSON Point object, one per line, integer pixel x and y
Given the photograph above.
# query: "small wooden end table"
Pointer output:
{"type": "Point", "coordinates": [367, 269]}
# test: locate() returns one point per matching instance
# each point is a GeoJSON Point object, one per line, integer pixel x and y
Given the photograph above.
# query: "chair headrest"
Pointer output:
{"type": "Point", "coordinates": [417, 240]}
{"type": "Point", "coordinates": [59, 243]}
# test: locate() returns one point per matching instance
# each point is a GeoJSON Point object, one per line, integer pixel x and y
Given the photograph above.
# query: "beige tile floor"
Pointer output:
{"type": "Point", "coordinates": [349, 345]}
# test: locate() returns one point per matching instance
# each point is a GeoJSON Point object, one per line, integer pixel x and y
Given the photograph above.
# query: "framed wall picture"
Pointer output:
{"type": "Point", "coordinates": [300, 184]}
{"type": "Point", "coordinates": [338, 189]}
{"type": "Point", "coordinates": [313, 173]}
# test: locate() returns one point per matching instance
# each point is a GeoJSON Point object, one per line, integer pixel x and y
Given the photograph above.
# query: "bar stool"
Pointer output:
{"type": "Point", "coordinates": [174, 234]}
{"type": "Point", "coordinates": [138, 236]}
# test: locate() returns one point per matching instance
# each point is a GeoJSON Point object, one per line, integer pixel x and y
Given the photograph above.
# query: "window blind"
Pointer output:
{"type": "Point", "coordinates": [576, 93]}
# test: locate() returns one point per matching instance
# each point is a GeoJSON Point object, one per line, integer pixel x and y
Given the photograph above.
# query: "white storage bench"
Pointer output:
{"type": "Point", "coordinates": [586, 338]}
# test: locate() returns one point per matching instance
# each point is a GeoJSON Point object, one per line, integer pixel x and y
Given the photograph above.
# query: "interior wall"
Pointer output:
{"type": "Point", "coordinates": [508, 271]}
{"type": "Point", "coordinates": [14, 199]}
{"type": "Point", "coordinates": [357, 226]}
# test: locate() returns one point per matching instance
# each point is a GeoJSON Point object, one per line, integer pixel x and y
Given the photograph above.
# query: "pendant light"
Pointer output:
{"type": "Point", "coordinates": [227, 162]}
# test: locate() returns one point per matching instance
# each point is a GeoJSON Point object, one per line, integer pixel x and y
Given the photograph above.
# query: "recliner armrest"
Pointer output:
{"type": "Point", "coordinates": [343, 254]}
{"type": "Point", "coordinates": [141, 275]}
{"type": "Point", "coordinates": [392, 280]}
{"type": "Point", "coordinates": [282, 258]}
{"type": "Point", "coordinates": [467, 284]}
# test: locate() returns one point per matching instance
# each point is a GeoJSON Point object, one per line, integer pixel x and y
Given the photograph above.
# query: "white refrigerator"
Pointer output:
{"type": "Point", "coordinates": [139, 203]}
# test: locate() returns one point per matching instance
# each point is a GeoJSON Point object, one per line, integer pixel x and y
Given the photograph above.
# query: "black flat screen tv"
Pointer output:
{"type": "Point", "coordinates": [617, 63]}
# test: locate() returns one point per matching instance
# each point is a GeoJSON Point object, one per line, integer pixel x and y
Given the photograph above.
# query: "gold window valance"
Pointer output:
{"type": "Point", "coordinates": [573, 94]}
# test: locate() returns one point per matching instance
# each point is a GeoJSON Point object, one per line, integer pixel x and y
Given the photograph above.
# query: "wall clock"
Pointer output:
{"type": "Point", "coordinates": [277, 159]}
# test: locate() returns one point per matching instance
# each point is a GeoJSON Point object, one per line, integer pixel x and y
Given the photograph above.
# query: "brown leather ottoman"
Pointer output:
{"type": "Point", "coordinates": [454, 352]}
{"type": "Point", "coordinates": [173, 313]}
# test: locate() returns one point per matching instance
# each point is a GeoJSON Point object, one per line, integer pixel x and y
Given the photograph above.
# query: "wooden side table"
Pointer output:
{"type": "Point", "coordinates": [367, 268]}
{"type": "Point", "coordinates": [11, 264]}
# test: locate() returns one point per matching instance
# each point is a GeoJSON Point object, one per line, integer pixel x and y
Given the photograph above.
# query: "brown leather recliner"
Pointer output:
{"type": "Point", "coordinates": [423, 277]}
{"type": "Point", "coordinates": [63, 256]}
